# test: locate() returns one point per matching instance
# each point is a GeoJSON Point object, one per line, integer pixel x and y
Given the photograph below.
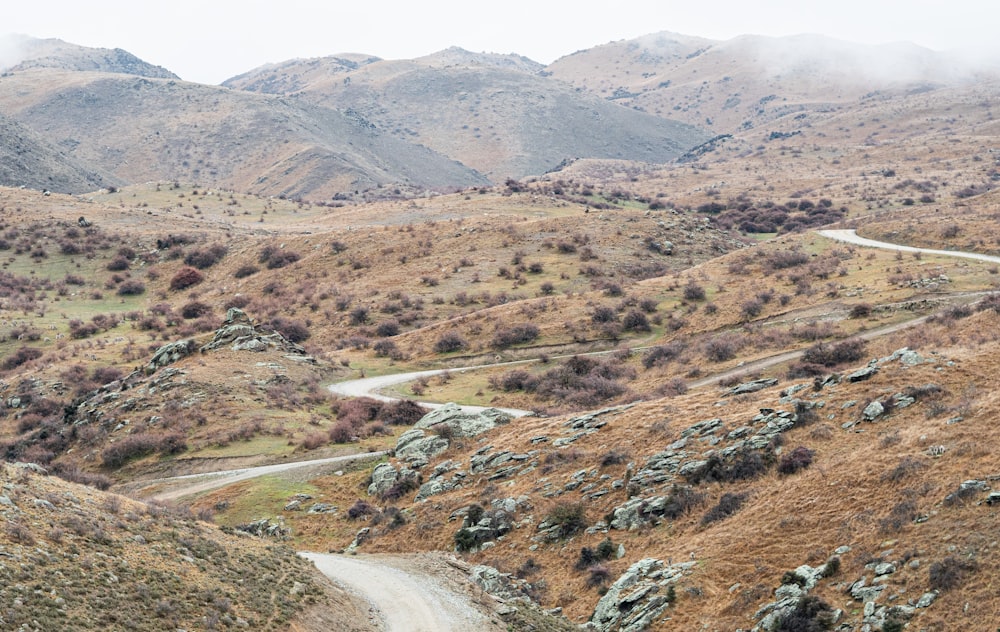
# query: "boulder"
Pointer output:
{"type": "Point", "coordinates": [873, 411]}
{"type": "Point", "coordinates": [384, 476]}
{"type": "Point", "coordinates": [170, 353]}
{"type": "Point", "coordinates": [461, 423]}
{"type": "Point", "coordinates": [417, 447]}
{"type": "Point", "coordinates": [752, 386]}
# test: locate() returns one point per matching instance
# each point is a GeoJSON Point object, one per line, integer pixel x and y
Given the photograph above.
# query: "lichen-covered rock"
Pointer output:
{"type": "Point", "coordinates": [384, 476]}
{"type": "Point", "coordinates": [638, 597]}
{"type": "Point", "coordinates": [461, 423]}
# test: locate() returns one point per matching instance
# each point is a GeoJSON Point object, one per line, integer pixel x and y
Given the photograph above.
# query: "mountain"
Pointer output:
{"type": "Point", "coordinates": [19, 52]}
{"type": "Point", "coordinates": [141, 129]}
{"type": "Point", "coordinates": [744, 82]}
{"type": "Point", "coordinates": [498, 114]}
{"type": "Point", "coordinates": [28, 160]}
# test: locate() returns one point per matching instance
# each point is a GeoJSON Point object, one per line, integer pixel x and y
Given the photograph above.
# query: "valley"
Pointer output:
{"type": "Point", "coordinates": [503, 345]}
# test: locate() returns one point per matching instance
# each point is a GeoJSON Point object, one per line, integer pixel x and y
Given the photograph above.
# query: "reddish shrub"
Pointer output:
{"type": "Point", "coordinates": [185, 278]}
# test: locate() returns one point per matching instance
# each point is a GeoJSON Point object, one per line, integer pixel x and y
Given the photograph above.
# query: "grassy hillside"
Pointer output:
{"type": "Point", "coordinates": [79, 559]}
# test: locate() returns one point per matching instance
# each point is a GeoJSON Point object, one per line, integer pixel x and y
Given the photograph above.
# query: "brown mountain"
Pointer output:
{"type": "Point", "coordinates": [24, 53]}
{"type": "Point", "coordinates": [749, 80]}
{"type": "Point", "coordinates": [498, 114]}
{"type": "Point", "coordinates": [142, 129]}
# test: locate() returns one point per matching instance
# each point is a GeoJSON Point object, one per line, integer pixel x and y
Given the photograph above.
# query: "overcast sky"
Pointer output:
{"type": "Point", "coordinates": [211, 40]}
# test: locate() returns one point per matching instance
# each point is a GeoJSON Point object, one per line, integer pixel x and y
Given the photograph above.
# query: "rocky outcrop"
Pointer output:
{"type": "Point", "coordinates": [239, 334]}
{"type": "Point", "coordinates": [170, 353]}
{"type": "Point", "coordinates": [432, 435]}
{"type": "Point", "coordinates": [639, 596]}
{"type": "Point", "coordinates": [460, 423]}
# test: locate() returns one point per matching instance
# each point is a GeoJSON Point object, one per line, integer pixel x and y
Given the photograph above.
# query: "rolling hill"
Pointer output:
{"type": "Point", "coordinates": [498, 114]}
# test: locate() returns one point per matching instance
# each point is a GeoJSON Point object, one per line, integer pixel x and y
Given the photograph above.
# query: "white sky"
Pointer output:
{"type": "Point", "coordinates": [211, 40]}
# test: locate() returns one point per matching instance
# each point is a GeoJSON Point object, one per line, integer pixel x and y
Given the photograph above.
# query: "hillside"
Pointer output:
{"type": "Point", "coordinates": [496, 114]}
{"type": "Point", "coordinates": [750, 81]}
{"type": "Point", "coordinates": [79, 559]}
{"type": "Point", "coordinates": [19, 53]}
{"type": "Point", "coordinates": [141, 130]}
{"type": "Point", "coordinates": [28, 160]}
{"type": "Point", "coordinates": [736, 420]}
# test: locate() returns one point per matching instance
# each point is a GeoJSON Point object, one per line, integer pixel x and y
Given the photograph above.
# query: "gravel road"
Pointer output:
{"type": "Point", "coordinates": [405, 597]}
{"type": "Point", "coordinates": [851, 237]}
{"type": "Point", "coordinates": [370, 386]}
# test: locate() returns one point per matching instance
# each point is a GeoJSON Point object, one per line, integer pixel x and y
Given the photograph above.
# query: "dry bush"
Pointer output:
{"type": "Point", "coordinates": [729, 504]}
{"type": "Point", "coordinates": [449, 342]}
{"type": "Point", "coordinates": [515, 334]}
{"type": "Point", "coordinates": [798, 459]}
{"type": "Point", "coordinates": [185, 278]}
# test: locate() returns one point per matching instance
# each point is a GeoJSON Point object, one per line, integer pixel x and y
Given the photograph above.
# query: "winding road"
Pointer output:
{"type": "Point", "coordinates": [850, 236]}
{"type": "Point", "coordinates": [406, 598]}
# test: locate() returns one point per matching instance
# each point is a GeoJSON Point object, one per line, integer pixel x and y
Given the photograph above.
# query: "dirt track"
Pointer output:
{"type": "Point", "coordinates": [407, 596]}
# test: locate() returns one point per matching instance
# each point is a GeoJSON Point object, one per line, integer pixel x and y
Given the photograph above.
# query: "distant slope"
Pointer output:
{"type": "Point", "coordinates": [142, 129]}
{"type": "Point", "coordinates": [495, 113]}
{"type": "Point", "coordinates": [27, 160]}
{"type": "Point", "coordinates": [749, 80]}
{"type": "Point", "coordinates": [18, 52]}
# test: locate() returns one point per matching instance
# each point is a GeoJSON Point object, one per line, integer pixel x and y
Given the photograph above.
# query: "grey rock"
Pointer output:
{"type": "Point", "coordinates": [927, 599]}
{"type": "Point", "coordinates": [463, 424]}
{"type": "Point", "coordinates": [416, 447]}
{"type": "Point", "coordinates": [702, 428]}
{"type": "Point", "coordinates": [170, 353]}
{"type": "Point", "coordinates": [873, 411]}
{"type": "Point", "coordinates": [752, 386]}
{"type": "Point", "coordinates": [885, 568]}
{"type": "Point", "coordinates": [384, 476]}
{"type": "Point", "coordinates": [322, 508]}
{"type": "Point", "coordinates": [993, 498]}
{"type": "Point", "coordinates": [862, 374]}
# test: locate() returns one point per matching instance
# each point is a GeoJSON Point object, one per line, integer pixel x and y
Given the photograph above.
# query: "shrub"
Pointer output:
{"type": "Point", "coordinates": [195, 309]}
{"type": "Point", "coordinates": [831, 355]}
{"type": "Point", "coordinates": [516, 334]}
{"type": "Point", "coordinates": [131, 287]}
{"type": "Point", "coordinates": [400, 488]}
{"type": "Point", "coordinates": [138, 445]}
{"type": "Point", "coordinates": [275, 257]}
{"type": "Point", "coordinates": [449, 342]}
{"type": "Point", "coordinates": [949, 572]}
{"type": "Point", "coordinates": [403, 412]}
{"type": "Point", "coordinates": [293, 330]}
{"type": "Point", "coordinates": [387, 328]}
{"type": "Point", "coordinates": [118, 264]}
{"type": "Point", "coordinates": [798, 459]}
{"type": "Point", "coordinates": [342, 432]}
{"type": "Point", "coordinates": [570, 518]}
{"type": "Point", "coordinates": [361, 509]}
{"type": "Point", "coordinates": [782, 259]}
{"type": "Point", "coordinates": [729, 504]}
{"type": "Point", "coordinates": [202, 258]}
{"type": "Point", "coordinates": [604, 314]}
{"type": "Point", "coordinates": [19, 357]}
{"type": "Point", "coordinates": [661, 355]}
{"type": "Point", "coordinates": [861, 310]}
{"type": "Point", "coordinates": [246, 270]}
{"type": "Point", "coordinates": [185, 278]}
{"type": "Point", "coordinates": [315, 440]}
{"type": "Point", "coordinates": [598, 575]}
{"type": "Point", "coordinates": [516, 380]}
{"type": "Point", "coordinates": [386, 348]}
{"type": "Point", "coordinates": [811, 614]}
{"type": "Point", "coordinates": [694, 292]}
{"type": "Point", "coordinates": [723, 347]}
{"type": "Point", "coordinates": [744, 465]}
{"type": "Point", "coordinates": [635, 321]}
